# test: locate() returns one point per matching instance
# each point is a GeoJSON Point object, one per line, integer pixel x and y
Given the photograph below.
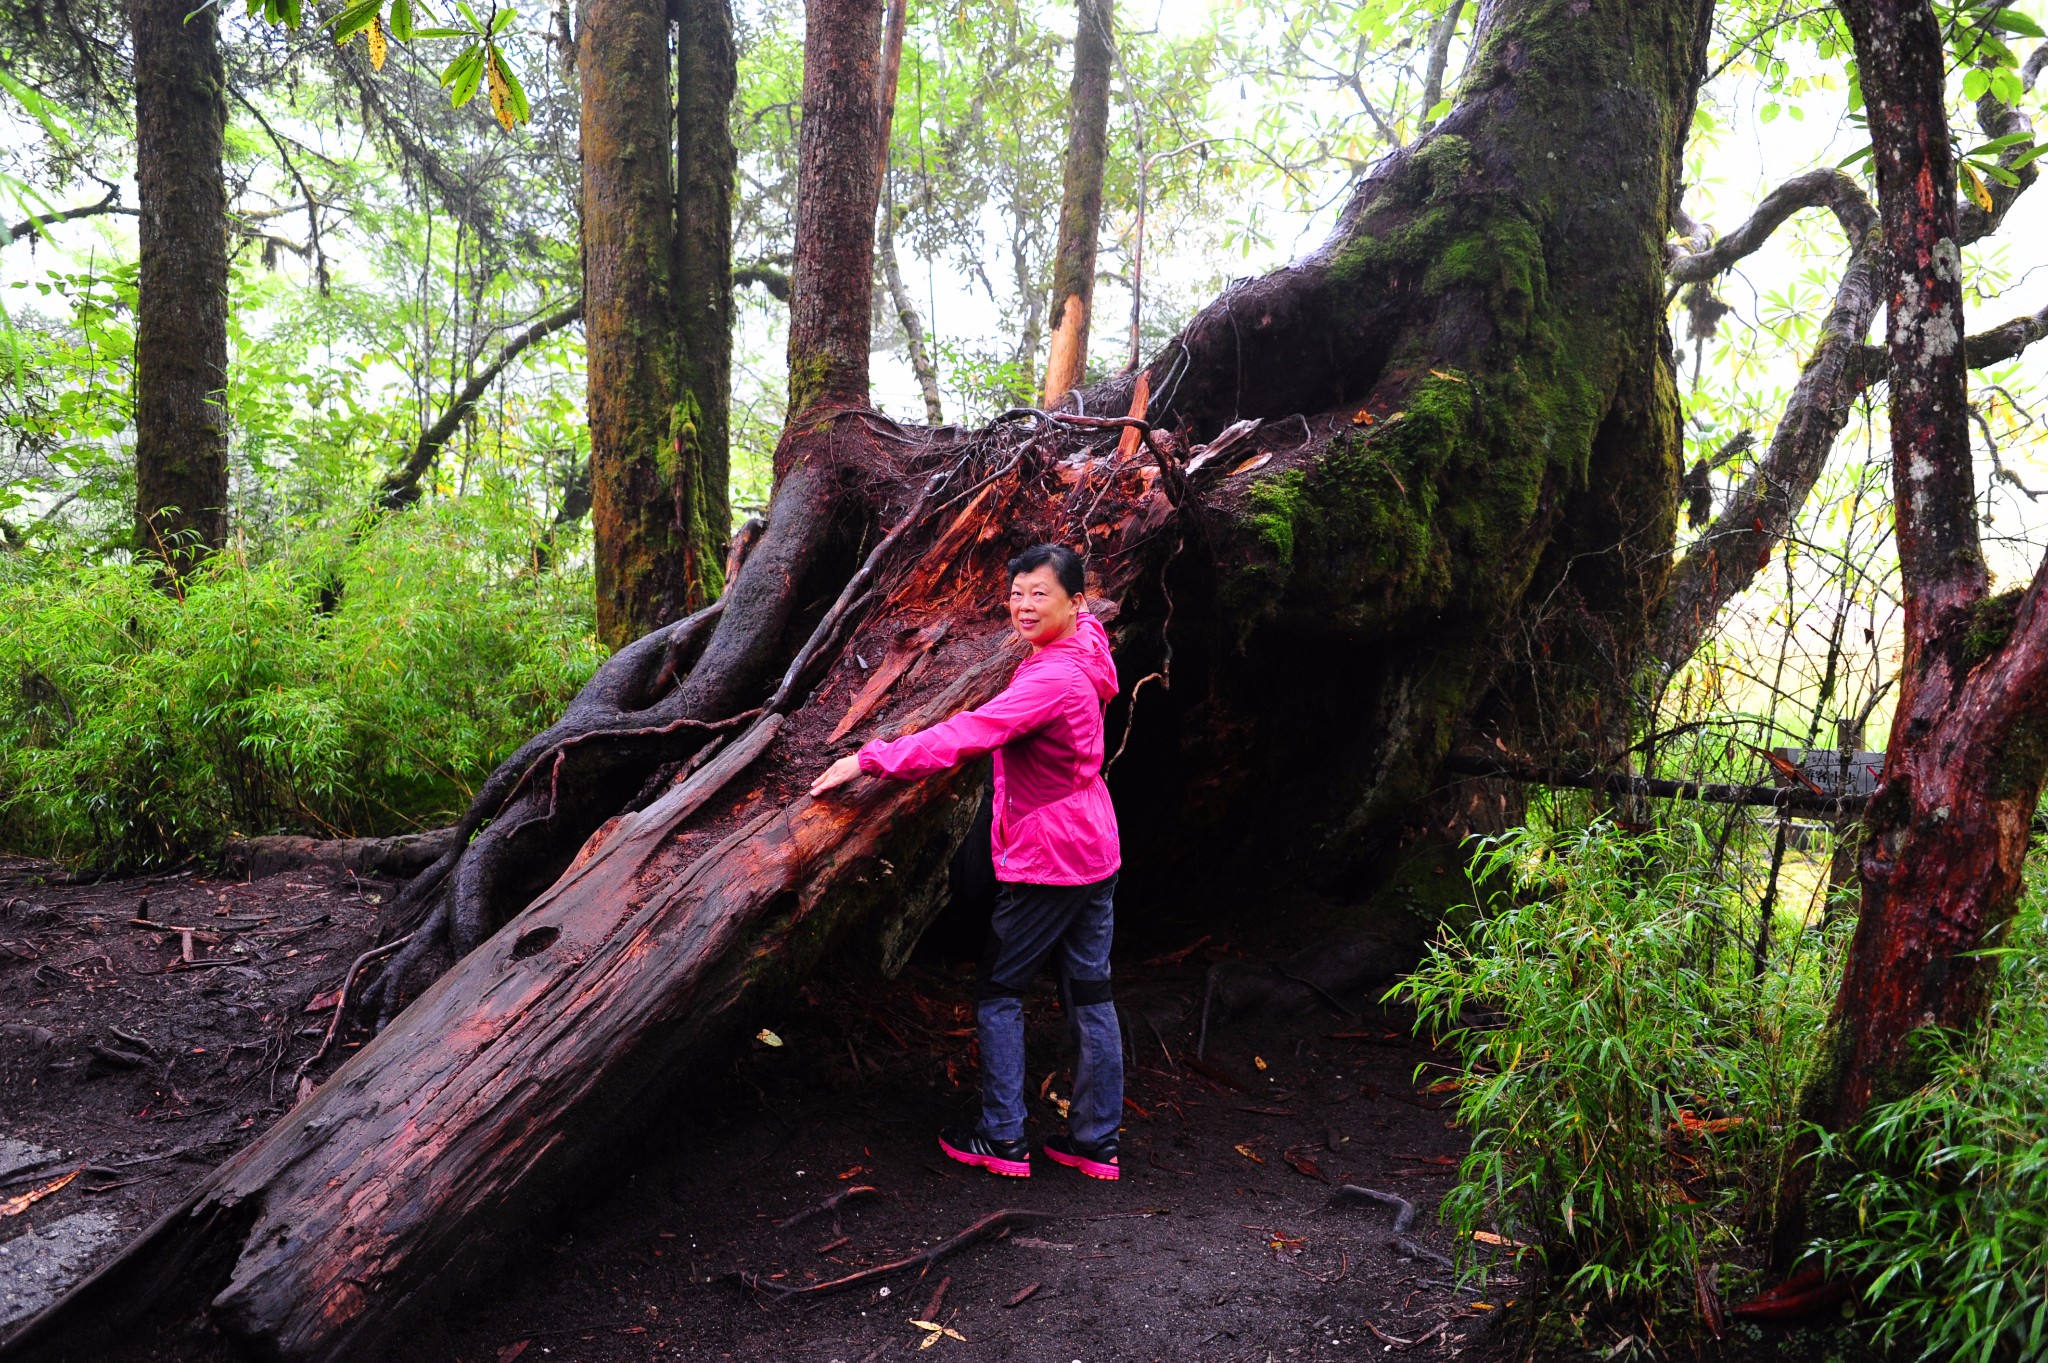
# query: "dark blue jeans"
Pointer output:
{"type": "Point", "coordinates": [1069, 926]}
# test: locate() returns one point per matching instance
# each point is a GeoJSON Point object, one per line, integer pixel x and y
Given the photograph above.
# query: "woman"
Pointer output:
{"type": "Point", "coordinates": [1056, 857]}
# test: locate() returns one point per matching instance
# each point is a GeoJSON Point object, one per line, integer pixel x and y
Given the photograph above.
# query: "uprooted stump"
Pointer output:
{"type": "Point", "coordinates": [1424, 479]}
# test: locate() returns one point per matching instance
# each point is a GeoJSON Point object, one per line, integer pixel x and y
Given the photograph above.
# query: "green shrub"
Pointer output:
{"type": "Point", "coordinates": [350, 684]}
{"type": "Point", "coordinates": [1951, 1206]}
{"type": "Point", "coordinates": [1626, 1080]}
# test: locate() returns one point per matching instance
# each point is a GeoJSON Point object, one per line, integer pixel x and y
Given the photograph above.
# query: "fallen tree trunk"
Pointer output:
{"type": "Point", "coordinates": [1368, 480]}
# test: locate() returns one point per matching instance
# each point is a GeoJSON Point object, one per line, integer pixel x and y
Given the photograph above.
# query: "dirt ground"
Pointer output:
{"type": "Point", "coordinates": [1220, 1242]}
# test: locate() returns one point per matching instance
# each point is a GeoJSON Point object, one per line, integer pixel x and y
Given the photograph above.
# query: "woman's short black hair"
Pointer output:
{"type": "Point", "coordinates": [1066, 565]}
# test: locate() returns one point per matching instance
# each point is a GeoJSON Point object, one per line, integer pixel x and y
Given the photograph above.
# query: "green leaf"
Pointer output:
{"type": "Point", "coordinates": [2013, 21]}
{"type": "Point", "coordinates": [522, 112]}
{"type": "Point", "coordinates": [355, 19]}
{"type": "Point", "coordinates": [462, 8]}
{"type": "Point", "coordinates": [2000, 143]}
{"type": "Point", "coordinates": [502, 20]}
{"type": "Point", "coordinates": [1975, 82]}
{"type": "Point", "coordinates": [463, 75]}
{"type": "Point", "coordinates": [401, 20]}
{"type": "Point", "coordinates": [1768, 113]}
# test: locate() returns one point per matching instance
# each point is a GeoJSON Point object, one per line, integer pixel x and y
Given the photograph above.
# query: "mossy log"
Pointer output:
{"type": "Point", "coordinates": [1464, 463]}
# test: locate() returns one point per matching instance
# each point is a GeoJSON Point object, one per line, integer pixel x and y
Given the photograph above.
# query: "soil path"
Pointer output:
{"type": "Point", "coordinates": [1219, 1242]}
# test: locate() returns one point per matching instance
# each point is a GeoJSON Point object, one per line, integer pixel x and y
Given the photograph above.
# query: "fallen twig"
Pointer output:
{"type": "Point", "coordinates": [1023, 1294]}
{"type": "Point", "coordinates": [995, 1223]}
{"type": "Point", "coordinates": [15, 1206]}
{"type": "Point", "coordinates": [938, 1299]}
{"type": "Point", "coordinates": [341, 1007]}
{"type": "Point", "coordinates": [830, 1204]}
{"type": "Point", "coordinates": [1404, 1216]}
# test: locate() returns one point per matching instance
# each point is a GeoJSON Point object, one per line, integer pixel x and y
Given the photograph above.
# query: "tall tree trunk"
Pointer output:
{"type": "Point", "coordinates": [1466, 398]}
{"type": "Point", "coordinates": [1073, 271]}
{"type": "Point", "coordinates": [1947, 829]}
{"type": "Point", "coordinates": [181, 329]}
{"type": "Point", "coordinates": [839, 145]}
{"type": "Point", "coordinates": [707, 165]}
{"type": "Point", "coordinates": [642, 558]}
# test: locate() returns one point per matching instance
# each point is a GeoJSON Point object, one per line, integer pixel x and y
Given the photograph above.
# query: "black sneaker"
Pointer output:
{"type": "Point", "coordinates": [1011, 1159]}
{"type": "Point", "coordinates": [1096, 1161]}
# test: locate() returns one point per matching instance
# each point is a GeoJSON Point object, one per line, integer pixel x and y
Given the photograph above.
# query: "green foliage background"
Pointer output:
{"type": "Point", "coordinates": [137, 726]}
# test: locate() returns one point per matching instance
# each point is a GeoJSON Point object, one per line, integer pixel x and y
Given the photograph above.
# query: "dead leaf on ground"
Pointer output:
{"type": "Point", "coordinates": [1249, 1154]}
{"type": "Point", "coordinates": [934, 1332]}
{"type": "Point", "coordinates": [1305, 1166]}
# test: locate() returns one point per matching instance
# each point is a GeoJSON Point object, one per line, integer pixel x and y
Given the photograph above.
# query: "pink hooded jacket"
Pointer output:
{"type": "Point", "coordinates": [1054, 824]}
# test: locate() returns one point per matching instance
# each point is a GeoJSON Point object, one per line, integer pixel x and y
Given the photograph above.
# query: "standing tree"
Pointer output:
{"type": "Point", "coordinates": [707, 74]}
{"type": "Point", "coordinates": [657, 260]}
{"type": "Point", "coordinates": [1073, 274]}
{"type": "Point", "coordinates": [1947, 829]}
{"type": "Point", "coordinates": [181, 331]}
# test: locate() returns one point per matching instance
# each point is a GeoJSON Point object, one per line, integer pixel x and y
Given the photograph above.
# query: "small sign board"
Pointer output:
{"type": "Point", "coordinates": [1834, 771]}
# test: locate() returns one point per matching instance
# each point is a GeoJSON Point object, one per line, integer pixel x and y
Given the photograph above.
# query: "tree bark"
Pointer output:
{"type": "Point", "coordinates": [707, 165]}
{"type": "Point", "coordinates": [839, 146]}
{"type": "Point", "coordinates": [1947, 829]}
{"type": "Point", "coordinates": [1466, 404]}
{"type": "Point", "coordinates": [1073, 271]}
{"type": "Point", "coordinates": [181, 325]}
{"type": "Point", "coordinates": [628, 244]}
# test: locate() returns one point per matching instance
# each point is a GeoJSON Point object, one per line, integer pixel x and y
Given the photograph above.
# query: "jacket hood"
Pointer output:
{"type": "Point", "coordinates": [1088, 645]}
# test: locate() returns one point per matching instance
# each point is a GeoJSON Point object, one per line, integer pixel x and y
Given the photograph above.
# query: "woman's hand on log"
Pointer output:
{"type": "Point", "coordinates": [838, 774]}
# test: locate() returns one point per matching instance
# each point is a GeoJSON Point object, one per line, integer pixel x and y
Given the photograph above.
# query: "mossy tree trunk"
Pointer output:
{"type": "Point", "coordinates": [657, 270]}
{"type": "Point", "coordinates": [1466, 408]}
{"type": "Point", "coordinates": [181, 325]}
{"type": "Point", "coordinates": [628, 241]}
{"type": "Point", "coordinates": [1946, 832]}
{"type": "Point", "coordinates": [707, 167]}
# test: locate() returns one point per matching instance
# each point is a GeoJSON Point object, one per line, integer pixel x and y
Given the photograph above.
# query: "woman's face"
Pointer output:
{"type": "Point", "coordinates": [1041, 610]}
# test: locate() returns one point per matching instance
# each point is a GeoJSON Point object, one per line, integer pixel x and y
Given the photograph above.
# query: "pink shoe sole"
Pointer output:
{"type": "Point", "coordinates": [1092, 1168]}
{"type": "Point", "coordinates": [1008, 1168]}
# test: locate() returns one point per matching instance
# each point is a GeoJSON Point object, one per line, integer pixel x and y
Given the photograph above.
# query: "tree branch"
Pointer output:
{"type": "Point", "coordinates": [2002, 120]}
{"type": "Point", "coordinates": [1829, 188]}
{"type": "Point", "coordinates": [1728, 556]}
{"type": "Point", "coordinates": [907, 314]}
{"type": "Point", "coordinates": [39, 223]}
{"type": "Point", "coordinates": [775, 281]}
{"type": "Point", "coordinates": [1788, 798]}
{"type": "Point", "coordinates": [402, 485]}
{"type": "Point", "coordinates": [1986, 348]}
{"type": "Point", "coordinates": [1439, 54]}
{"type": "Point", "coordinates": [305, 192]}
